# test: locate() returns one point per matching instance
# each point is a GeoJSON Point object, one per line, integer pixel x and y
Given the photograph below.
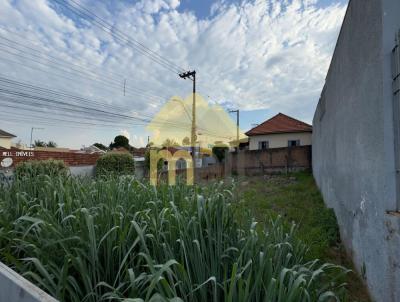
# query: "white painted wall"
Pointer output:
{"type": "Point", "coordinates": [280, 140]}
{"type": "Point", "coordinates": [5, 142]}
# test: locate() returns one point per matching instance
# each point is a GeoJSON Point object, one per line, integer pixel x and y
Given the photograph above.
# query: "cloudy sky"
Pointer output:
{"type": "Point", "coordinates": [259, 56]}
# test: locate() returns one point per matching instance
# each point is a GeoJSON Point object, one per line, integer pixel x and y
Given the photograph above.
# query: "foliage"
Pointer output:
{"type": "Point", "coordinates": [170, 142]}
{"type": "Point", "coordinates": [219, 152]}
{"type": "Point", "coordinates": [120, 141]}
{"type": "Point", "coordinates": [115, 164]}
{"type": "Point", "coordinates": [160, 163]}
{"type": "Point", "coordinates": [186, 141]}
{"type": "Point", "coordinates": [35, 168]}
{"type": "Point", "coordinates": [101, 146]}
{"type": "Point", "coordinates": [39, 143]}
{"type": "Point", "coordinates": [113, 239]}
{"type": "Point", "coordinates": [50, 144]}
{"type": "Point", "coordinates": [296, 198]}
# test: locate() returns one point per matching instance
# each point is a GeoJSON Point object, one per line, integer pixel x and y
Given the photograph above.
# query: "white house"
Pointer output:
{"type": "Point", "coordinates": [279, 131]}
{"type": "Point", "coordinates": [5, 139]}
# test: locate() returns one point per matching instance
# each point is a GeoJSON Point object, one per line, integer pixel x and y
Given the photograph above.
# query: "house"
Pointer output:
{"type": "Point", "coordinates": [5, 139]}
{"type": "Point", "coordinates": [280, 131]}
{"type": "Point", "coordinates": [91, 149]}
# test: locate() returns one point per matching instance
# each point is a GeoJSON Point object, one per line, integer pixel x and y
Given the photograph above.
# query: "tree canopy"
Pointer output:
{"type": "Point", "coordinates": [120, 141]}
{"type": "Point", "coordinates": [219, 152]}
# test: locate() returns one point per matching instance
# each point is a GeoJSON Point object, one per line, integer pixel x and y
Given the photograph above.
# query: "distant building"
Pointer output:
{"type": "Point", "coordinates": [92, 149]}
{"type": "Point", "coordinates": [5, 139]}
{"type": "Point", "coordinates": [279, 131]}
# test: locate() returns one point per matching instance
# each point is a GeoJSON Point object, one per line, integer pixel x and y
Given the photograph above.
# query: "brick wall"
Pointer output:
{"type": "Point", "coordinates": [70, 158]}
{"type": "Point", "coordinates": [270, 160]}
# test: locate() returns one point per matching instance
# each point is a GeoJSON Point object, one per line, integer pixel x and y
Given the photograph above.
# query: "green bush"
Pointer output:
{"type": "Point", "coordinates": [34, 168]}
{"type": "Point", "coordinates": [114, 239]}
{"type": "Point", "coordinates": [115, 164]}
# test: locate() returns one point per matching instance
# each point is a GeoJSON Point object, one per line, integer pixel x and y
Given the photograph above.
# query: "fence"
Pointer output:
{"type": "Point", "coordinates": [257, 162]}
{"type": "Point", "coordinates": [249, 163]}
{"type": "Point", "coordinates": [70, 158]}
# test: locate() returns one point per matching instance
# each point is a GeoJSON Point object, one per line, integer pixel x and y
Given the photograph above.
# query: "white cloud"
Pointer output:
{"type": "Point", "coordinates": [268, 54]}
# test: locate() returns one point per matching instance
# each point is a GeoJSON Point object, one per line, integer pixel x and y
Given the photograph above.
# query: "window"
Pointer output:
{"type": "Point", "coordinates": [263, 145]}
{"type": "Point", "coordinates": [293, 143]}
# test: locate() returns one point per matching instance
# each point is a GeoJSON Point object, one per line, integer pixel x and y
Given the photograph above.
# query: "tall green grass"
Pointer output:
{"type": "Point", "coordinates": [122, 240]}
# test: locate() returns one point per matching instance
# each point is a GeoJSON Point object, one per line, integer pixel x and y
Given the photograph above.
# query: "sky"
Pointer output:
{"type": "Point", "coordinates": [259, 56]}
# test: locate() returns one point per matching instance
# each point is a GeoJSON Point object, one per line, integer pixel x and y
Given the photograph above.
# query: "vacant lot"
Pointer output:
{"type": "Point", "coordinates": [297, 199]}
{"type": "Point", "coordinates": [118, 239]}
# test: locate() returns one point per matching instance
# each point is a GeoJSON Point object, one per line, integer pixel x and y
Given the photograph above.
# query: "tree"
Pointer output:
{"type": "Point", "coordinates": [120, 141]}
{"type": "Point", "coordinates": [39, 143]}
{"type": "Point", "coordinates": [219, 152]}
{"type": "Point", "coordinates": [186, 141]}
{"type": "Point", "coordinates": [170, 143]}
{"type": "Point", "coordinates": [100, 146]}
{"type": "Point", "coordinates": [160, 163]}
{"type": "Point", "coordinates": [51, 144]}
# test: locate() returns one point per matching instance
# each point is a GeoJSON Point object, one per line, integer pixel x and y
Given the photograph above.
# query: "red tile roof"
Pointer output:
{"type": "Point", "coordinates": [280, 123]}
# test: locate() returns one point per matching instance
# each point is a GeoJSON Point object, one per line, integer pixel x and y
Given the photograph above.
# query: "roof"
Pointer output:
{"type": "Point", "coordinates": [6, 134]}
{"type": "Point", "coordinates": [280, 123]}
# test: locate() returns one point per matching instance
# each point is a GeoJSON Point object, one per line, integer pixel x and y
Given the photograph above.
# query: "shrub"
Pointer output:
{"type": "Point", "coordinates": [115, 164]}
{"type": "Point", "coordinates": [219, 152]}
{"type": "Point", "coordinates": [113, 239]}
{"type": "Point", "coordinates": [34, 168]}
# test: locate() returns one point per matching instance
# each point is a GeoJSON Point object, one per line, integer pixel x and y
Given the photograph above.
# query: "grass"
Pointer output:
{"type": "Point", "coordinates": [297, 199]}
{"type": "Point", "coordinates": [119, 239]}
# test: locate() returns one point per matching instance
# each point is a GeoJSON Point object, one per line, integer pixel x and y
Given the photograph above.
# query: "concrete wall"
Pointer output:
{"type": "Point", "coordinates": [280, 140]}
{"type": "Point", "coordinates": [256, 162]}
{"type": "Point", "coordinates": [14, 288]}
{"type": "Point", "coordinates": [5, 142]}
{"type": "Point", "coordinates": [83, 171]}
{"type": "Point", "coordinates": [353, 143]}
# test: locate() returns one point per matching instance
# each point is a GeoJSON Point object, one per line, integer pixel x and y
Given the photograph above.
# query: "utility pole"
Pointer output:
{"type": "Point", "coordinates": [237, 126]}
{"type": "Point", "coordinates": [192, 76]}
{"type": "Point", "coordinates": [33, 128]}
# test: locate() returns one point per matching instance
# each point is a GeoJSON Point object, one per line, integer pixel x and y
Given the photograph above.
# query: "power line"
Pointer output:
{"type": "Point", "coordinates": [150, 51]}
{"type": "Point", "coordinates": [88, 75]}
{"type": "Point", "coordinates": [46, 96]}
{"type": "Point", "coordinates": [110, 72]}
{"type": "Point", "coordinates": [119, 35]}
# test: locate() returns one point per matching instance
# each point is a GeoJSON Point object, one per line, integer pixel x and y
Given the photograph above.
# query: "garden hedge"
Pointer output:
{"type": "Point", "coordinates": [34, 168]}
{"type": "Point", "coordinates": [115, 164]}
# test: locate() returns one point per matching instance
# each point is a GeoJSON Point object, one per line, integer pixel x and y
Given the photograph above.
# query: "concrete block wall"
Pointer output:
{"type": "Point", "coordinates": [15, 288]}
{"type": "Point", "coordinates": [251, 162]}
{"type": "Point", "coordinates": [353, 144]}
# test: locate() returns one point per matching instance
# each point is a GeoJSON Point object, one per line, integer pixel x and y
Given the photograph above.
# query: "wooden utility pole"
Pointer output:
{"type": "Point", "coordinates": [237, 126]}
{"type": "Point", "coordinates": [192, 76]}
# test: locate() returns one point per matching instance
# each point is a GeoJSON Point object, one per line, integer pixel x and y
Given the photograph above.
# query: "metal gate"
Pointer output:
{"type": "Point", "coordinates": [396, 111]}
